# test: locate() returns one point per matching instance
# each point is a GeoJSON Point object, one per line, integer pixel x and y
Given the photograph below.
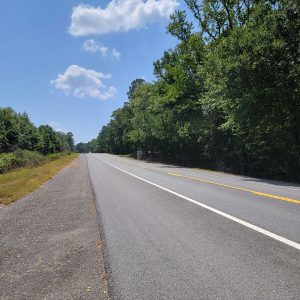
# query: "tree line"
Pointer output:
{"type": "Point", "coordinates": [227, 97]}
{"type": "Point", "coordinates": [17, 132]}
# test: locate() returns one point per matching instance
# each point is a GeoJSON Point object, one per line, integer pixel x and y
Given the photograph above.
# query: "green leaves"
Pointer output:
{"type": "Point", "coordinates": [18, 132]}
{"type": "Point", "coordinates": [179, 26]}
{"type": "Point", "coordinates": [226, 97]}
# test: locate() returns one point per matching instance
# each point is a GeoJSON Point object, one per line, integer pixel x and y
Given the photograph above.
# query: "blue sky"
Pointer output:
{"type": "Point", "coordinates": [64, 72]}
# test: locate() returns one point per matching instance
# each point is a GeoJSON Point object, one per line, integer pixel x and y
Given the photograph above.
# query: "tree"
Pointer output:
{"type": "Point", "coordinates": [70, 141]}
{"type": "Point", "coordinates": [253, 77]}
{"type": "Point", "coordinates": [48, 141]}
{"type": "Point", "coordinates": [226, 97]}
{"type": "Point", "coordinates": [27, 133]}
{"type": "Point", "coordinates": [179, 26]}
{"type": "Point", "coordinates": [18, 132]}
{"type": "Point", "coordinates": [217, 18]}
{"type": "Point", "coordinates": [133, 86]}
{"type": "Point", "coordinates": [81, 148]}
{"type": "Point", "coordinates": [9, 129]}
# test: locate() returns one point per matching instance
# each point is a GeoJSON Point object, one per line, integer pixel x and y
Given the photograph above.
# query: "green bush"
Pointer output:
{"type": "Point", "coordinates": [31, 158]}
{"type": "Point", "coordinates": [26, 158]}
{"type": "Point", "coordinates": [9, 161]}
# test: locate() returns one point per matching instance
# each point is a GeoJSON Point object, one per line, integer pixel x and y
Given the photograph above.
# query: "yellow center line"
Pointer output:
{"type": "Point", "coordinates": [221, 184]}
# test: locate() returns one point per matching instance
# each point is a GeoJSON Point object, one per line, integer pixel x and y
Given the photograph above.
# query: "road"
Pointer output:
{"type": "Point", "coordinates": [176, 233]}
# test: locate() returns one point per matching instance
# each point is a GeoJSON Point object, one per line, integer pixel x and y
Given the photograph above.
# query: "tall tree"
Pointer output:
{"type": "Point", "coordinates": [70, 141]}
{"type": "Point", "coordinates": [226, 97]}
{"type": "Point", "coordinates": [48, 141]}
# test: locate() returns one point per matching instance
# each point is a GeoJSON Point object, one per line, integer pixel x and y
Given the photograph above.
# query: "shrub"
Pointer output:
{"type": "Point", "coordinates": [9, 161]}
{"type": "Point", "coordinates": [26, 158]}
{"type": "Point", "coordinates": [31, 158]}
{"type": "Point", "coordinates": [23, 158]}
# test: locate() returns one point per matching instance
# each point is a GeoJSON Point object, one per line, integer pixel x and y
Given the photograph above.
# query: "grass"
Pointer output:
{"type": "Point", "coordinates": [19, 182]}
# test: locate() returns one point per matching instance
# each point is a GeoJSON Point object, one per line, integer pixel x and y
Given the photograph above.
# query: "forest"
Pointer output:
{"type": "Point", "coordinates": [22, 143]}
{"type": "Point", "coordinates": [227, 97]}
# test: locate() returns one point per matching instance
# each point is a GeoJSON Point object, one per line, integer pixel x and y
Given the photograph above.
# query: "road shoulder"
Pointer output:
{"type": "Point", "coordinates": [50, 241]}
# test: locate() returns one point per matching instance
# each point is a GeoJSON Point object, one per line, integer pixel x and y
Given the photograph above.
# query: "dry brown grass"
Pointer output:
{"type": "Point", "coordinates": [19, 182]}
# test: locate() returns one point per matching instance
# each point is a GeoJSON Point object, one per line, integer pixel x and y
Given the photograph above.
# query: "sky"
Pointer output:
{"type": "Point", "coordinates": [69, 63]}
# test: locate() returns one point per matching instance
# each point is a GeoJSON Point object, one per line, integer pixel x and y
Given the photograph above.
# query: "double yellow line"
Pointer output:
{"type": "Point", "coordinates": [221, 184]}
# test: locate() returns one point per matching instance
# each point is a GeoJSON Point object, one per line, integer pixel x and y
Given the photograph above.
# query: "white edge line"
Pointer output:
{"type": "Point", "coordinates": [244, 223]}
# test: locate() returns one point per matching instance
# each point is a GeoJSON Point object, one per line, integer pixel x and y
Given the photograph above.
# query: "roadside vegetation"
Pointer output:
{"type": "Point", "coordinates": [29, 155]}
{"type": "Point", "coordinates": [25, 158]}
{"type": "Point", "coordinates": [19, 182]}
{"type": "Point", "coordinates": [24, 145]}
{"type": "Point", "coordinates": [227, 97]}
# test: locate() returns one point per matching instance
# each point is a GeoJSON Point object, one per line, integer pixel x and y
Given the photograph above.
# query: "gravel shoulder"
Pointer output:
{"type": "Point", "coordinates": [50, 241]}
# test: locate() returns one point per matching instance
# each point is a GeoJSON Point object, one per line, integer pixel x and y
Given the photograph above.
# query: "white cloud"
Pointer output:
{"type": "Point", "coordinates": [81, 82]}
{"type": "Point", "coordinates": [119, 15]}
{"type": "Point", "coordinates": [94, 47]}
{"type": "Point", "coordinates": [116, 54]}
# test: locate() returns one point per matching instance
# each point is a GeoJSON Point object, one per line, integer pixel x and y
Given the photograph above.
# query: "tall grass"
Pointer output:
{"type": "Point", "coordinates": [19, 182]}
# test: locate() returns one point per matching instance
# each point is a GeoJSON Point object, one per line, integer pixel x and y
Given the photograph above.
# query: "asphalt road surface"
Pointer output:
{"type": "Point", "coordinates": [176, 233]}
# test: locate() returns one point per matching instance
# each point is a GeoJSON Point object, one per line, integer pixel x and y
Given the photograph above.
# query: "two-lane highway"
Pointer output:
{"type": "Point", "coordinates": [175, 233]}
